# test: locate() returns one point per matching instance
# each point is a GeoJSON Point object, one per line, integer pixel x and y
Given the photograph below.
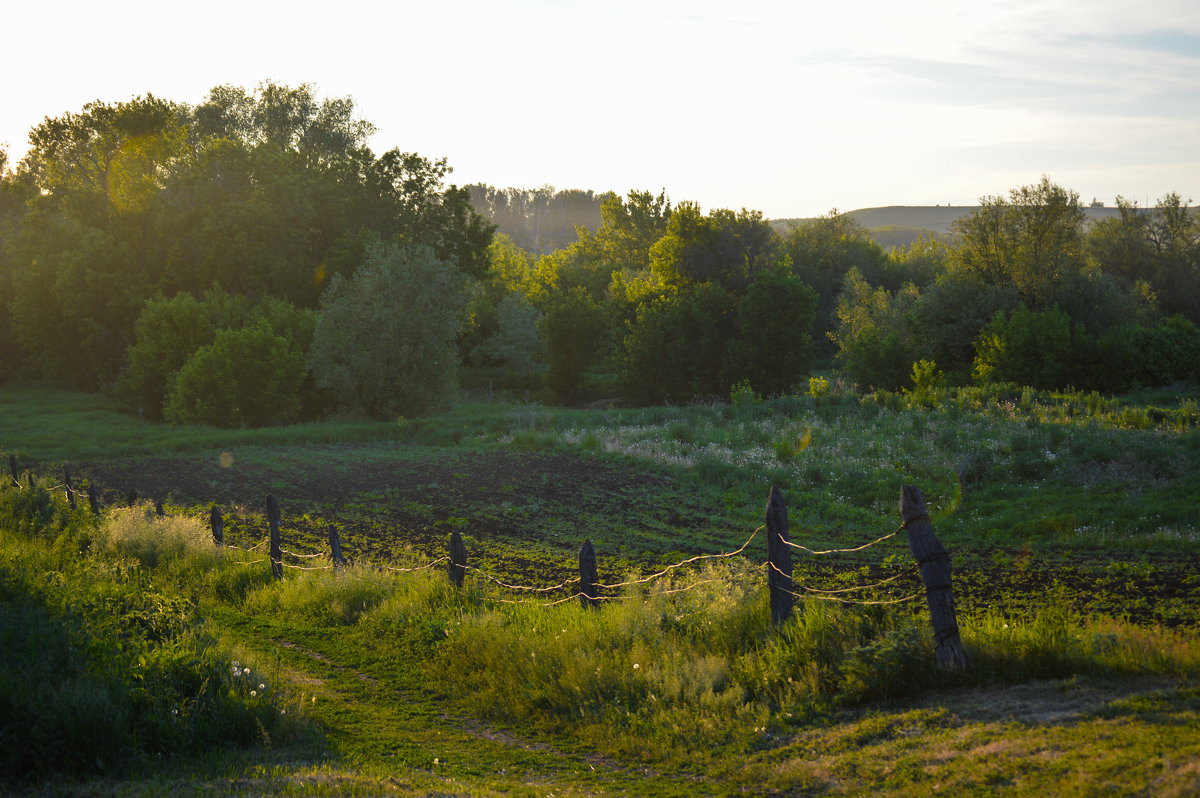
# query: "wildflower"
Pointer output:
{"type": "Point", "coordinates": [262, 686]}
{"type": "Point", "coordinates": [245, 670]}
{"type": "Point", "coordinates": [253, 693]}
{"type": "Point", "coordinates": [636, 666]}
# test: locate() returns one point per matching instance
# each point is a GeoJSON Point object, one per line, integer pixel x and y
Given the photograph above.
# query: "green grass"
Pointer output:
{"type": "Point", "coordinates": [397, 682]}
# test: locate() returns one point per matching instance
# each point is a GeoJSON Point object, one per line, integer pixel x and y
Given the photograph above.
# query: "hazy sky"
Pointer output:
{"type": "Point", "coordinates": [791, 107]}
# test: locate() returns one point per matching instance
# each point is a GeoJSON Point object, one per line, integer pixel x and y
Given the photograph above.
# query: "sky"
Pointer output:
{"type": "Point", "coordinates": [790, 107]}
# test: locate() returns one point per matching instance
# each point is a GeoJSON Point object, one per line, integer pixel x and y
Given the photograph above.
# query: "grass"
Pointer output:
{"type": "Point", "coordinates": [397, 682]}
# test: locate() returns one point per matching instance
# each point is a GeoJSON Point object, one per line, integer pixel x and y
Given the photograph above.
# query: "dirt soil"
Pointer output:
{"type": "Point", "coordinates": [526, 513]}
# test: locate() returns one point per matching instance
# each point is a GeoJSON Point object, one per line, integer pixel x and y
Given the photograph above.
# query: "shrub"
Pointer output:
{"type": "Point", "coordinates": [774, 346]}
{"type": "Point", "coordinates": [573, 330]}
{"type": "Point", "coordinates": [1028, 347]}
{"type": "Point", "coordinates": [385, 340]}
{"type": "Point", "coordinates": [246, 378]}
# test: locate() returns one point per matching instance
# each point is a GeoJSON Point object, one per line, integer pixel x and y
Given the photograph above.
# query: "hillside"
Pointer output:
{"type": "Point", "coordinates": [937, 218]}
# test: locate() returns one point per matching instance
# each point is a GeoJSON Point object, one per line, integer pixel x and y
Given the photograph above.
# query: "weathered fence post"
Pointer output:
{"type": "Point", "coordinates": [779, 559]}
{"type": "Point", "coordinates": [131, 497]}
{"type": "Point", "coordinates": [276, 550]}
{"type": "Point", "coordinates": [217, 524]}
{"type": "Point", "coordinates": [12, 470]}
{"type": "Point", "coordinates": [158, 508]}
{"type": "Point", "coordinates": [589, 593]}
{"type": "Point", "coordinates": [93, 499]}
{"type": "Point", "coordinates": [458, 559]}
{"type": "Point", "coordinates": [335, 548]}
{"type": "Point", "coordinates": [934, 563]}
{"type": "Point", "coordinates": [67, 487]}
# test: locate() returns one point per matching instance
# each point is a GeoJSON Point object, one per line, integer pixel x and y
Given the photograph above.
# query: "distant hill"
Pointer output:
{"type": "Point", "coordinates": [935, 218]}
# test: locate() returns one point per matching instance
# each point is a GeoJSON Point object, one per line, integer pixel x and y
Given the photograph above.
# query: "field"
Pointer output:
{"type": "Point", "coordinates": [1070, 519]}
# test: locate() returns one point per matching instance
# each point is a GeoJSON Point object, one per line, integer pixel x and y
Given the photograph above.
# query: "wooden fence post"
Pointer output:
{"type": "Point", "coordinates": [12, 470]}
{"type": "Point", "coordinates": [934, 563]}
{"type": "Point", "coordinates": [588, 591]}
{"type": "Point", "coordinates": [276, 550]}
{"type": "Point", "coordinates": [779, 559]}
{"type": "Point", "coordinates": [93, 499]}
{"type": "Point", "coordinates": [217, 524]}
{"type": "Point", "coordinates": [458, 559]}
{"type": "Point", "coordinates": [131, 497]}
{"type": "Point", "coordinates": [67, 487]}
{"type": "Point", "coordinates": [335, 548]}
{"type": "Point", "coordinates": [158, 508]}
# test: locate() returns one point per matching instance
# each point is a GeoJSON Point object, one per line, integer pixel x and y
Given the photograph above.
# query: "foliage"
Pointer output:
{"type": "Point", "coordinates": [822, 251]}
{"type": "Point", "coordinates": [385, 341]}
{"type": "Point", "coordinates": [773, 349]}
{"type": "Point", "coordinates": [675, 347]}
{"type": "Point", "coordinates": [515, 342]}
{"type": "Point", "coordinates": [268, 193]}
{"type": "Point", "coordinates": [875, 340]}
{"type": "Point", "coordinates": [247, 377]}
{"type": "Point", "coordinates": [1032, 240]}
{"type": "Point", "coordinates": [1156, 248]}
{"type": "Point", "coordinates": [724, 248]}
{"type": "Point", "coordinates": [103, 668]}
{"type": "Point", "coordinates": [1027, 347]}
{"type": "Point", "coordinates": [573, 328]}
{"type": "Point", "coordinates": [170, 331]}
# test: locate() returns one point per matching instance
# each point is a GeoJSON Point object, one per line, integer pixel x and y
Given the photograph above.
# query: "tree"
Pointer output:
{"type": "Point", "coordinates": [574, 329]}
{"type": "Point", "coordinates": [249, 377]}
{"type": "Point", "coordinates": [774, 345]}
{"type": "Point", "coordinates": [724, 247]}
{"type": "Point", "coordinates": [876, 345]}
{"type": "Point", "coordinates": [675, 346]}
{"type": "Point", "coordinates": [385, 340]}
{"type": "Point", "coordinates": [515, 342]}
{"type": "Point", "coordinates": [1032, 240]}
{"type": "Point", "coordinates": [821, 252]}
{"type": "Point", "coordinates": [1029, 347]}
{"type": "Point", "coordinates": [1153, 251]}
{"type": "Point", "coordinates": [170, 331]}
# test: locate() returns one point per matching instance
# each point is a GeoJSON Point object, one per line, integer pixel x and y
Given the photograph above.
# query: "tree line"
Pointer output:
{"type": "Point", "coordinates": [249, 260]}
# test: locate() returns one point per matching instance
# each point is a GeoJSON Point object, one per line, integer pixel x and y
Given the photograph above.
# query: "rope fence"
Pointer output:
{"type": "Point", "coordinates": [932, 565]}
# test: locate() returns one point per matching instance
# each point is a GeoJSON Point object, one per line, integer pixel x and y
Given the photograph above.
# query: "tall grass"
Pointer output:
{"type": "Point", "coordinates": [104, 663]}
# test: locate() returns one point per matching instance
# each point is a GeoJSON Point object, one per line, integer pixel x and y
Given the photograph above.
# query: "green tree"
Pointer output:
{"type": "Point", "coordinates": [385, 342]}
{"type": "Point", "coordinates": [773, 349]}
{"type": "Point", "coordinates": [876, 345]}
{"type": "Point", "coordinates": [1032, 240]}
{"type": "Point", "coordinates": [574, 330]}
{"type": "Point", "coordinates": [821, 252]}
{"type": "Point", "coordinates": [249, 377]}
{"type": "Point", "coordinates": [169, 331]}
{"type": "Point", "coordinates": [675, 349]}
{"type": "Point", "coordinates": [724, 247]}
{"type": "Point", "coordinates": [515, 343]}
{"type": "Point", "coordinates": [1153, 251]}
{"type": "Point", "coordinates": [1037, 348]}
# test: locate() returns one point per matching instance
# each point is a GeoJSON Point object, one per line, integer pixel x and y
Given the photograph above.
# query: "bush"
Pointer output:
{"type": "Point", "coordinates": [385, 341]}
{"type": "Point", "coordinates": [774, 345]}
{"type": "Point", "coordinates": [170, 331]}
{"type": "Point", "coordinates": [246, 378]}
{"type": "Point", "coordinates": [1028, 347]}
{"type": "Point", "coordinates": [675, 349]}
{"type": "Point", "coordinates": [573, 331]}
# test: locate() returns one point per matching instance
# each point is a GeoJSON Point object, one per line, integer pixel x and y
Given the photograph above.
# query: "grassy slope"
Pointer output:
{"type": "Point", "coordinates": [386, 724]}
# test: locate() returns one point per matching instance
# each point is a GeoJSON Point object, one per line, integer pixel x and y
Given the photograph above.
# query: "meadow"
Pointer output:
{"type": "Point", "coordinates": [1070, 519]}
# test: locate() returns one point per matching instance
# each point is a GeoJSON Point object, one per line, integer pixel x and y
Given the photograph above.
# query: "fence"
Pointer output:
{"type": "Point", "coordinates": [932, 563]}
